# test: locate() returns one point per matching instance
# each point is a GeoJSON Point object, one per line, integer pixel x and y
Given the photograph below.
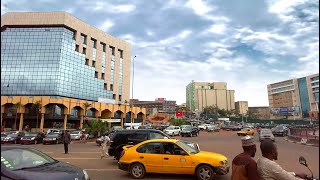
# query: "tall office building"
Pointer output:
{"type": "Point", "coordinates": [297, 97]}
{"type": "Point", "coordinates": [55, 58]}
{"type": "Point", "coordinates": [202, 94]}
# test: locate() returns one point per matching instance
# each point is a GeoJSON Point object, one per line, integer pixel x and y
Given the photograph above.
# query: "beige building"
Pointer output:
{"type": "Point", "coordinates": [241, 107]}
{"type": "Point", "coordinates": [260, 112]}
{"type": "Point", "coordinates": [202, 94]}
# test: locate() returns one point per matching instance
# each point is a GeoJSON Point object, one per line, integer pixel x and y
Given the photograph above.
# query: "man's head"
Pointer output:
{"type": "Point", "coordinates": [248, 145]}
{"type": "Point", "coordinates": [269, 150]}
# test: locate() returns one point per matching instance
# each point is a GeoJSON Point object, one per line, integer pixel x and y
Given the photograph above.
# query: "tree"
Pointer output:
{"type": "Point", "coordinates": [96, 127]}
{"type": "Point", "coordinates": [222, 112]}
{"type": "Point", "coordinates": [85, 105]}
{"type": "Point", "coordinates": [36, 107]}
{"type": "Point", "coordinates": [178, 122]}
{"type": "Point", "coordinates": [18, 105]}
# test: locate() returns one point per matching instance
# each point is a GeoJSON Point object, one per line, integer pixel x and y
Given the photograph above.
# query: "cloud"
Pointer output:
{"type": "Point", "coordinates": [121, 8]}
{"type": "Point", "coordinates": [199, 7]}
{"type": "Point", "coordinates": [106, 25]}
{"type": "Point", "coordinates": [217, 29]}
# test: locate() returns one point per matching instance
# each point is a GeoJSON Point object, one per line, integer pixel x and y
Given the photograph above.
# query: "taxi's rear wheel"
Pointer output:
{"type": "Point", "coordinates": [137, 171]}
{"type": "Point", "coordinates": [204, 172]}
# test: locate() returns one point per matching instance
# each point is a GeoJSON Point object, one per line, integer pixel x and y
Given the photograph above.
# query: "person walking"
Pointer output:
{"type": "Point", "coordinates": [105, 142]}
{"type": "Point", "coordinates": [66, 141]}
{"type": "Point", "coordinates": [243, 166]}
{"type": "Point", "coordinates": [83, 137]}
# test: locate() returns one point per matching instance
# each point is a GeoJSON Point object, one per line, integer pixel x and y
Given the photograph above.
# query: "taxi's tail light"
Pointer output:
{"type": "Point", "coordinates": [122, 153]}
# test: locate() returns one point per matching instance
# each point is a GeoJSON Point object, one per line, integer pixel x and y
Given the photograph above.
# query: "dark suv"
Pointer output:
{"type": "Point", "coordinates": [132, 137]}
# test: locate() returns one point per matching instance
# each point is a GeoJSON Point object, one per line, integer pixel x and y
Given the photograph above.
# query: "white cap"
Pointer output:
{"type": "Point", "coordinates": [247, 141]}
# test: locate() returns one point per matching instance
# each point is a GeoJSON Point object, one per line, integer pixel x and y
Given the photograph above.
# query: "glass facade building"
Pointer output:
{"type": "Point", "coordinates": [304, 96]}
{"type": "Point", "coordinates": [44, 61]}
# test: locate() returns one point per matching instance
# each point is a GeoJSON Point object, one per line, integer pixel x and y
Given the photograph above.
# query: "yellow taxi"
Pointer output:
{"type": "Point", "coordinates": [245, 131]}
{"type": "Point", "coordinates": [171, 156]}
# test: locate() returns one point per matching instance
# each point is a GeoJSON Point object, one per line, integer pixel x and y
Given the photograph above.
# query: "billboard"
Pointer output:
{"type": "Point", "coordinates": [285, 110]}
{"type": "Point", "coordinates": [179, 114]}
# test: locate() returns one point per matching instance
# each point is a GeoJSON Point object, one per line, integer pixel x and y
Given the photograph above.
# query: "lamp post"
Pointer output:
{"type": "Point", "coordinates": [132, 119]}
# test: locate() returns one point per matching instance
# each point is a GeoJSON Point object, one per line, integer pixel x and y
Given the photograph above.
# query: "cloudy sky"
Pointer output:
{"type": "Point", "coordinates": [247, 44]}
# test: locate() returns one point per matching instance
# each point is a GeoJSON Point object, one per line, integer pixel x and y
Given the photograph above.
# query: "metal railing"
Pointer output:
{"type": "Point", "coordinates": [308, 133]}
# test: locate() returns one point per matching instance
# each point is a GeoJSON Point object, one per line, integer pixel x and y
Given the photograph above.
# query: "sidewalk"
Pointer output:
{"type": "Point", "coordinates": [298, 140]}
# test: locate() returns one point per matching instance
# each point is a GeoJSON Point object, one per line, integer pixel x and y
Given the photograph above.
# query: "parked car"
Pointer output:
{"type": "Point", "coordinates": [266, 134]}
{"type": "Point", "coordinates": [280, 131]}
{"type": "Point", "coordinates": [213, 128]}
{"type": "Point", "coordinates": [29, 164]}
{"type": "Point", "coordinates": [245, 131]}
{"type": "Point", "coordinates": [76, 135]}
{"type": "Point", "coordinates": [53, 138]}
{"type": "Point", "coordinates": [32, 138]}
{"type": "Point", "coordinates": [173, 130]}
{"type": "Point", "coordinates": [172, 154]}
{"type": "Point", "coordinates": [188, 130]}
{"type": "Point", "coordinates": [13, 137]}
{"type": "Point", "coordinates": [132, 137]}
{"type": "Point", "coordinates": [146, 127]}
{"type": "Point", "coordinates": [54, 131]}
{"type": "Point", "coordinates": [203, 127]}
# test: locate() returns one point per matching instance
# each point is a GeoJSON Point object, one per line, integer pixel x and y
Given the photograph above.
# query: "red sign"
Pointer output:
{"type": "Point", "coordinates": [179, 114]}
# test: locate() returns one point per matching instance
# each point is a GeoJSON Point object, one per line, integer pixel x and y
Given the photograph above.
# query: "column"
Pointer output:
{"type": "Point", "coordinates": [1, 119]}
{"type": "Point", "coordinates": [81, 122]}
{"type": "Point", "coordinates": [65, 121]}
{"type": "Point", "coordinates": [109, 126]}
{"type": "Point", "coordinates": [41, 122]}
{"type": "Point", "coordinates": [21, 122]}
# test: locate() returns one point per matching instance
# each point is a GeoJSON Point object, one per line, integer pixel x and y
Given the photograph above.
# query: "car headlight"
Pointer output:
{"type": "Point", "coordinates": [54, 138]}
{"type": "Point", "coordinates": [86, 176]}
{"type": "Point", "coordinates": [33, 138]}
{"type": "Point", "coordinates": [224, 163]}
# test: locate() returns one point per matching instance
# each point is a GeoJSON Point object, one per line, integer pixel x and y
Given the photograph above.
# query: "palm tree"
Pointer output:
{"type": "Point", "coordinates": [36, 106]}
{"type": "Point", "coordinates": [85, 105]}
{"type": "Point", "coordinates": [18, 105]}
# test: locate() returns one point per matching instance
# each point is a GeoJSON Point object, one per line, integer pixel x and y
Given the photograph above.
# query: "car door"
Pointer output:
{"type": "Point", "coordinates": [176, 160]}
{"type": "Point", "coordinates": [151, 156]}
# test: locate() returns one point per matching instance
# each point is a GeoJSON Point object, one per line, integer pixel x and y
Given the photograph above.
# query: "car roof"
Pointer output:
{"type": "Point", "coordinates": [161, 140]}
{"type": "Point", "coordinates": [4, 148]}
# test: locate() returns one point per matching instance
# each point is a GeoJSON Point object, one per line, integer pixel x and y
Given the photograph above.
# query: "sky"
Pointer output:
{"type": "Point", "coordinates": [247, 44]}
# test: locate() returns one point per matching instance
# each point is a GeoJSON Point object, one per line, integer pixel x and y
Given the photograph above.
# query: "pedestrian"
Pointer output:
{"type": "Point", "coordinates": [83, 137]}
{"type": "Point", "coordinates": [66, 140]}
{"type": "Point", "coordinates": [105, 141]}
{"type": "Point", "coordinates": [243, 166]}
{"type": "Point", "coordinates": [268, 169]}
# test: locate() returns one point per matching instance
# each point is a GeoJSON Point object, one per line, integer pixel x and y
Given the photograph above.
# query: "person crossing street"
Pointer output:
{"type": "Point", "coordinates": [105, 141]}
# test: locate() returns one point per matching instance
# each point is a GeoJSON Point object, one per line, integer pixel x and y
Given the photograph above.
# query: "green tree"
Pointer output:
{"type": "Point", "coordinates": [85, 106]}
{"type": "Point", "coordinates": [222, 112]}
{"type": "Point", "coordinates": [36, 107]}
{"type": "Point", "coordinates": [178, 122]}
{"type": "Point", "coordinates": [96, 127]}
{"type": "Point", "coordinates": [18, 105]}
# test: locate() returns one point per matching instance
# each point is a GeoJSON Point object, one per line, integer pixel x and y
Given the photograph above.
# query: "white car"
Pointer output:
{"type": "Point", "coordinates": [203, 126]}
{"type": "Point", "coordinates": [266, 134]}
{"type": "Point", "coordinates": [173, 130]}
{"type": "Point", "coordinates": [213, 128]}
{"type": "Point", "coordinates": [76, 135]}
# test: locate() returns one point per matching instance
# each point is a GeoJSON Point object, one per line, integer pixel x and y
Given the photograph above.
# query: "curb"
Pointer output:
{"type": "Point", "coordinates": [315, 145]}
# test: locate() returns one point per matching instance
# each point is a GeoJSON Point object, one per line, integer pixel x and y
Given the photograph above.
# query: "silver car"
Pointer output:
{"type": "Point", "coordinates": [266, 134]}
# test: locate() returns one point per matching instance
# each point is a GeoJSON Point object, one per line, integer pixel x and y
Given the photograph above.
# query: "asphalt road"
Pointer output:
{"type": "Point", "coordinates": [87, 156]}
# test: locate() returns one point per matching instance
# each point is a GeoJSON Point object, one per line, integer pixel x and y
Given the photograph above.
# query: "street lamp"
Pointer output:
{"type": "Point", "coordinates": [132, 119]}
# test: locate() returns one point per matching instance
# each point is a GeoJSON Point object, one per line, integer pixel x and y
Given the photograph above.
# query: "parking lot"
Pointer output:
{"type": "Point", "coordinates": [87, 156]}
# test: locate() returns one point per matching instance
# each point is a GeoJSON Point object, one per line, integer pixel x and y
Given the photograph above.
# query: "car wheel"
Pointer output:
{"type": "Point", "coordinates": [238, 134]}
{"type": "Point", "coordinates": [204, 172]}
{"type": "Point", "coordinates": [137, 171]}
{"type": "Point", "coordinates": [182, 135]}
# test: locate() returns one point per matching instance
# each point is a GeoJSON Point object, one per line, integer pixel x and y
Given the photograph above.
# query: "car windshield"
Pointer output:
{"type": "Point", "coordinates": [12, 135]}
{"type": "Point", "coordinates": [52, 135]}
{"type": "Point", "coordinates": [75, 132]}
{"type": "Point", "coordinates": [265, 131]}
{"type": "Point", "coordinates": [244, 129]}
{"type": "Point", "coordinates": [16, 159]}
{"type": "Point", "coordinates": [188, 147]}
{"type": "Point", "coordinates": [170, 128]}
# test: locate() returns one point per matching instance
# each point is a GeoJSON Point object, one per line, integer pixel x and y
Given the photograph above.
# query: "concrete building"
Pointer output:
{"type": "Point", "coordinates": [159, 105]}
{"type": "Point", "coordinates": [241, 107]}
{"type": "Point", "coordinates": [202, 94]}
{"type": "Point", "coordinates": [53, 55]}
{"type": "Point", "coordinates": [296, 98]}
{"type": "Point", "coordinates": [260, 112]}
